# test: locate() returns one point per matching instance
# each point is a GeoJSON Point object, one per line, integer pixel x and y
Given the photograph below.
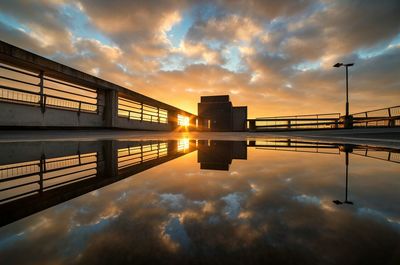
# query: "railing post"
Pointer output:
{"type": "Point", "coordinates": [158, 114]}
{"type": "Point", "coordinates": [41, 91]}
{"type": "Point", "coordinates": [79, 110]}
{"type": "Point", "coordinates": [141, 111]}
{"type": "Point", "coordinates": [110, 108]}
{"type": "Point", "coordinates": [366, 119]}
{"type": "Point", "coordinates": [391, 122]}
{"type": "Point", "coordinates": [42, 166]}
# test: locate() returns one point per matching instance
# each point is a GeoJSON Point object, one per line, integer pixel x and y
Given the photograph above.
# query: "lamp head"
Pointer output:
{"type": "Point", "coordinates": [337, 65]}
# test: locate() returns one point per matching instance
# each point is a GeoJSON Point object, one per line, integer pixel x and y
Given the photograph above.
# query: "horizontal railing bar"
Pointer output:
{"type": "Point", "coordinates": [69, 181]}
{"type": "Point", "coordinates": [19, 81]}
{"type": "Point", "coordinates": [19, 195]}
{"type": "Point", "coordinates": [74, 157]}
{"type": "Point", "coordinates": [20, 185]}
{"type": "Point", "coordinates": [72, 100]}
{"type": "Point", "coordinates": [298, 142]}
{"type": "Point", "coordinates": [70, 85]}
{"type": "Point", "coordinates": [296, 125]}
{"type": "Point", "coordinates": [375, 157]}
{"type": "Point", "coordinates": [68, 167]}
{"type": "Point", "coordinates": [48, 96]}
{"type": "Point", "coordinates": [69, 174]}
{"type": "Point", "coordinates": [19, 71]}
{"type": "Point", "coordinates": [47, 171]}
{"type": "Point", "coordinates": [303, 115]}
{"type": "Point", "coordinates": [19, 90]}
{"type": "Point", "coordinates": [67, 92]}
{"type": "Point", "coordinates": [128, 100]}
{"type": "Point", "coordinates": [301, 119]}
{"type": "Point", "coordinates": [22, 166]}
{"type": "Point", "coordinates": [298, 151]}
{"type": "Point", "coordinates": [19, 176]}
{"type": "Point", "coordinates": [296, 146]}
{"type": "Point", "coordinates": [368, 111]}
{"type": "Point", "coordinates": [375, 119]}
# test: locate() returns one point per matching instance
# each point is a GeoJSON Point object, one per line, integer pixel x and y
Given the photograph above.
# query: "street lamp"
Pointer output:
{"type": "Point", "coordinates": [347, 65]}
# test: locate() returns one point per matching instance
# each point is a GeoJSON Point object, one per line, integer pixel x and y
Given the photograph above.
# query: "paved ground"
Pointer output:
{"type": "Point", "coordinates": [381, 137]}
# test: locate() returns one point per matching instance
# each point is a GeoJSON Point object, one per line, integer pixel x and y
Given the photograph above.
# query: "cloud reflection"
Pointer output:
{"type": "Point", "coordinates": [174, 213]}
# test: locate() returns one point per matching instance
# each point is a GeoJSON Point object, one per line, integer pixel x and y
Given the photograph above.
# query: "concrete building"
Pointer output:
{"type": "Point", "coordinates": [216, 113]}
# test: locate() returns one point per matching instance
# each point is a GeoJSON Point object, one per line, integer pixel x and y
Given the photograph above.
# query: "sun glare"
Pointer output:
{"type": "Point", "coordinates": [183, 120]}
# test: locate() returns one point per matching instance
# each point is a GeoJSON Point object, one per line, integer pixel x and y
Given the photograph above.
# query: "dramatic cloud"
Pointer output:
{"type": "Point", "coordinates": [274, 56]}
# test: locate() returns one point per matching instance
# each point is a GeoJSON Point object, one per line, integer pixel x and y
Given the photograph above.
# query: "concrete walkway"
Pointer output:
{"type": "Point", "coordinates": [388, 137]}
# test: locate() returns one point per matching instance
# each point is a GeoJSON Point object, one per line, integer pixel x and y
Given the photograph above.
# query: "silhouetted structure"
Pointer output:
{"type": "Point", "coordinates": [216, 113]}
{"type": "Point", "coordinates": [218, 155]}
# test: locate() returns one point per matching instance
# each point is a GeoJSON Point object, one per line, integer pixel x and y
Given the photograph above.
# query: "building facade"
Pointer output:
{"type": "Point", "coordinates": [216, 113]}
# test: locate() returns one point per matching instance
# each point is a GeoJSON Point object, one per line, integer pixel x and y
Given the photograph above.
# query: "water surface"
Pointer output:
{"type": "Point", "coordinates": [273, 201]}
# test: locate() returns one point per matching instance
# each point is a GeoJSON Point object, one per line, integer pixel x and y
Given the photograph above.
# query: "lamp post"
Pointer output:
{"type": "Point", "coordinates": [347, 65]}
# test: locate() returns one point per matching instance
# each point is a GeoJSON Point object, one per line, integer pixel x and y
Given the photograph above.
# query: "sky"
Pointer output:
{"type": "Point", "coordinates": [275, 57]}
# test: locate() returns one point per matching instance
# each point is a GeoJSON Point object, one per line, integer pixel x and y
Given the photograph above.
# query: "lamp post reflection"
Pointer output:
{"type": "Point", "coordinates": [347, 150]}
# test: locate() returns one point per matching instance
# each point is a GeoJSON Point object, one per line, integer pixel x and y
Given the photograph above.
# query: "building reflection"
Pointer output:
{"type": "Point", "coordinates": [218, 155]}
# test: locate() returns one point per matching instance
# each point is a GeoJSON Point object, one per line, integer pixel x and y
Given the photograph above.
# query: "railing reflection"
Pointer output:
{"type": "Point", "coordinates": [31, 180]}
{"type": "Point", "coordinates": [27, 187]}
{"type": "Point", "coordinates": [381, 153]}
{"type": "Point", "coordinates": [28, 178]}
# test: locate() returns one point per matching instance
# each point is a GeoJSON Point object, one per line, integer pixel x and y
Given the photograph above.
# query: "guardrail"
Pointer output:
{"type": "Point", "coordinates": [34, 88]}
{"type": "Point", "coordinates": [138, 111]}
{"type": "Point", "coordinates": [385, 117]}
{"type": "Point", "coordinates": [309, 121]}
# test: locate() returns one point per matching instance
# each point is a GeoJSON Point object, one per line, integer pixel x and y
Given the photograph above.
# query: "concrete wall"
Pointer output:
{"type": "Point", "coordinates": [239, 119]}
{"type": "Point", "coordinates": [20, 115]}
{"type": "Point", "coordinates": [219, 113]}
{"type": "Point", "coordinates": [124, 123]}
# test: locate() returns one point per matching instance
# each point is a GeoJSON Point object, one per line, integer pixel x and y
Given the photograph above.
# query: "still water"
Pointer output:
{"type": "Point", "coordinates": [272, 201]}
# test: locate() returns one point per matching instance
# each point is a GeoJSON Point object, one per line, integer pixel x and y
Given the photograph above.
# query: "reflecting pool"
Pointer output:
{"type": "Point", "coordinates": [187, 201]}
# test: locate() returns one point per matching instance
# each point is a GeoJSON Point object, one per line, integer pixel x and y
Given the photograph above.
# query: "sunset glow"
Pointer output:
{"type": "Point", "coordinates": [274, 56]}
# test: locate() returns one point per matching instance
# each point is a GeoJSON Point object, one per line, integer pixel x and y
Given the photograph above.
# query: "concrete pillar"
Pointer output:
{"type": "Point", "coordinates": [110, 156]}
{"type": "Point", "coordinates": [252, 125]}
{"type": "Point", "coordinates": [346, 122]}
{"type": "Point", "coordinates": [172, 120]}
{"type": "Point", "coordinates": [110, 108]}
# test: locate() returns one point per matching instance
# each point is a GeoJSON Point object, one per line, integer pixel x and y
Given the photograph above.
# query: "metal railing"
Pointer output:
{"type": "Point", "coordinates": [385, 117]}
{"type": "Point", "coordinates": [25, 87]}
{"type": "Point", "coordinates": [24, 179]}
{"type": "Point", "coordinates": [138, 111]}
{"type": "Point", "coordinates": [138, 154]}
{"type": "Point", "coordinates": [309, 121]}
